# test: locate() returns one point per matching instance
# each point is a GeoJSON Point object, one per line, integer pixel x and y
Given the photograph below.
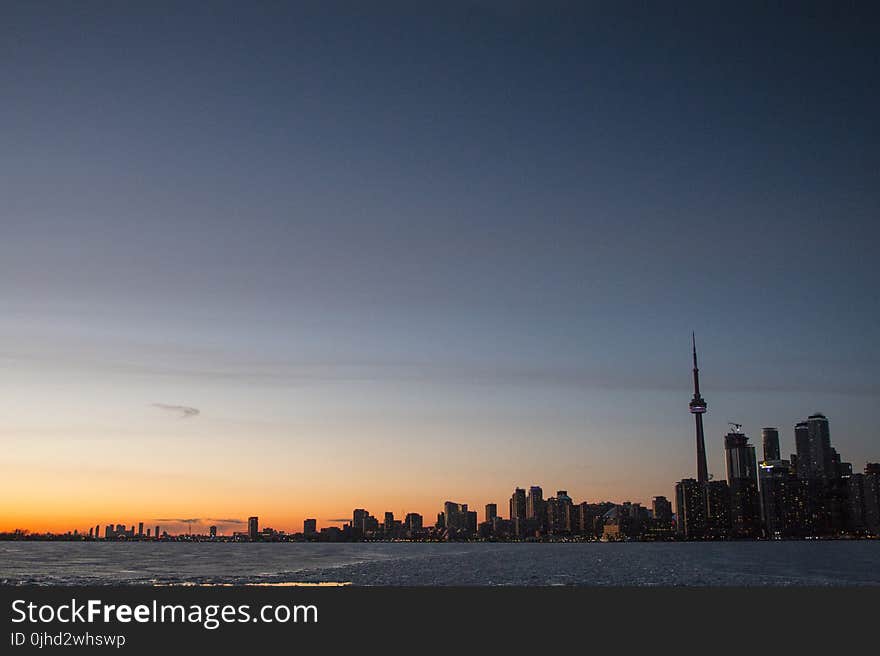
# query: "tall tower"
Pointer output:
{"type": "Point", "coordinates": [698, 407]}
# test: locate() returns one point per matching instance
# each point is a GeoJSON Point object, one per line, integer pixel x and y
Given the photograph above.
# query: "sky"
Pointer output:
{"type": "Point", "coordinates": [291, 259]}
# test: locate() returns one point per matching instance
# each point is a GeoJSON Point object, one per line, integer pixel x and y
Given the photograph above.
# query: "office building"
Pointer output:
{"type": "Point", "coordinates": [718, 516]}
{"type": "Point", "coordinates": [690, 509]}
{"type": "Point", "coordinates": [770, 440]}
{"type": "Point", "coordinates": [491, 511]}
{"type": "Point", "coordinates": [742, 477]}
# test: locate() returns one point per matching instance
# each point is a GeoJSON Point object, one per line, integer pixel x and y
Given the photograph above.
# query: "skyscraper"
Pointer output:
{"type": "Point", "coordinates": [872, 497]}
{"type": "Point", "coordinates": [358, 521]}
{"type": "Point", "coordinates": [253, 528]}
{"type": "Point", "coordinates": [491, 511]}
{"type": "Point", "coordinates": [690, 508]}
{"type": "Point", "coordinates": [560, 513]}
{"type": "Point", "coordinates": [413, 522]}
{"type": "Point", "coordinates": [819, 446]}
{"type": "Point", "coordinates": [742, 476]}
{"type": "Point", "coordinates": [770, 440]}
{"type": "Point", "coordinates": [717, 509]}
{"type": "Point", "coordinates": [212, 531]}
{"type": "Point", "coordinates": [518, 504]}
{"type": "Point", "coordinates": [457, 519]}
{"type": "Point", "coordinates": [310, 526]}
{"type": "Point", "coordinates": [536, 509]}
{"type": "Point", "coordinates": [698, 407]}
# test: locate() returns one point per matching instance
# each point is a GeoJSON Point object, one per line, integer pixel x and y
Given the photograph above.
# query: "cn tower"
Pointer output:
{"type": "Point", "coordinates": [698, 407]}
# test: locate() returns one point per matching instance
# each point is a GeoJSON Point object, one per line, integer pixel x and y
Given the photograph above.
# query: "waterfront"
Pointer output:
{"type": "Point", "coordinates": [795, 563]}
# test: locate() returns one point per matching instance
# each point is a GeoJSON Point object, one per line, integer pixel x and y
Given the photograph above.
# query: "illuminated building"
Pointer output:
{"type": "Point", "coordinates": [718, 520]}
{"type": "Point", "coordinates": [690, 508]}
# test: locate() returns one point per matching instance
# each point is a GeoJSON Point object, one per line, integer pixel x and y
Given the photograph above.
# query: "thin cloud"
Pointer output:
{"type": "Point", "coordinates": [183, 411]}
{"type": "Point", "coordinates": [191, 520]}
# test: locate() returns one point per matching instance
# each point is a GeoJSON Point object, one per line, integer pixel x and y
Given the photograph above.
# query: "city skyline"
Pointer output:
{"type": "Point", "coordinates": [283, 258]}
{"type": "Point", "coordinates": [734, 439]}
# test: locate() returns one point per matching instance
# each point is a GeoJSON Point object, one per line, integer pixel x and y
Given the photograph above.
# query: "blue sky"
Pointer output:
{"type": "Point", "coordinates": [470, 241]}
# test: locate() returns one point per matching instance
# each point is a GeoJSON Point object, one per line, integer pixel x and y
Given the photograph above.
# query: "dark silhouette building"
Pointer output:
{"type": "Point", "coordinates": [770, 441]}
{"type": "Point", "coordinates": [518, 511]}
{"type": "Point", "coordinates": [698, 408]}
{"type": "Point", "coordinates": [536, 509]}
{"type": "Point", "coordinates": [310, 526]}
{"type": "Point", "coordinates": [253, 528]}
{"type": "Point", "coordinates": [491, 511]}
{"type": "Point", "coordinates": [560, 513]}
{"type": "Point", "coordinates": [690, 509]}
{"type": "Point", "coordinates": [413, 522]}
{"type": "Point", "coordinates": [742, 476]}
{"type": "Point", "coordinates": [872, 497]}
{"type": "Point", "coordinates": [718, 516]}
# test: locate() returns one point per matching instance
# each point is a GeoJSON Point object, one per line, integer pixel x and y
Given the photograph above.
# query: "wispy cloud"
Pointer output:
{"type": "Point", "coordinates": [190, 520]}
{"type": "Point", "coordinates": [183, 411]}
{"type": "Point", "coordinates": [227, 521]}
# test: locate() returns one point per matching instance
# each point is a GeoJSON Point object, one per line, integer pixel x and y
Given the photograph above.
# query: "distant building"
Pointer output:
{"type": "Point", "coordinates": [212, 531]}
{"type": "Point", "coordinates": [780, 499]}
{"type": "Point", "coordinates": [518, 510]}
{"type": "Point", "coordinates": [140, 529]}
{"type": "Point", "coordinates": [661, 509]}
{"type": "Point", "coordinates": [718, 519]}
{"type": "Point", "coordinates": [698, 407]}
{"type": "Point", "coordinates": [742, 476]}
{"type": "Point", "coordinates": [457, 520]}
{"type": "Point", "coordinates": [413, 522]}
{"type": "Point", "coordinates": [690, 509]}
{"type": "Point", "coordinates": [253, 528]}
{"type": "Point", "coordinates": [389, 522]}
{"type": "Point", "coordinates": [770, 440]}
{"type": "Point", "coordinates": [310, 526]}
{"type": "Point", "coordinates": [358, 522]}
{"type": "Point", "coordinates": [536, 509]}
{"type": "Point", "coordinates": [872, 497]}
{"type": "Point", "coordinates": [491, 511]}
{"type": "Point", "coordinates": [560, 513]}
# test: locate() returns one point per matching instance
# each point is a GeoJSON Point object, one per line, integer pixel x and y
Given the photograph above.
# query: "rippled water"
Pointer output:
{"type": "Point", "coordinates": [604, 564]}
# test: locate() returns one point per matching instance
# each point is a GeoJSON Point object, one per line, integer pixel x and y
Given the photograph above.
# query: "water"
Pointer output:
{"type": "Point", "coordinates": [600, 564]}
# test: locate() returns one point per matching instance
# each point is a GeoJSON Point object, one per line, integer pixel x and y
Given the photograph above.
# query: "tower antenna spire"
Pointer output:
{"type": "Point", "coordinates": [698, 408]}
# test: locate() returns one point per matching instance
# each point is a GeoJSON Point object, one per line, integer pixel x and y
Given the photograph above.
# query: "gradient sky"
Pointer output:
{"type": "Point", "coordinates": [395, 255]}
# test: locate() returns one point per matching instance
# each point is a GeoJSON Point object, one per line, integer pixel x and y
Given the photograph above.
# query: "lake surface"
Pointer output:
{"type": "Point", "coordinates": [829, 563]}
